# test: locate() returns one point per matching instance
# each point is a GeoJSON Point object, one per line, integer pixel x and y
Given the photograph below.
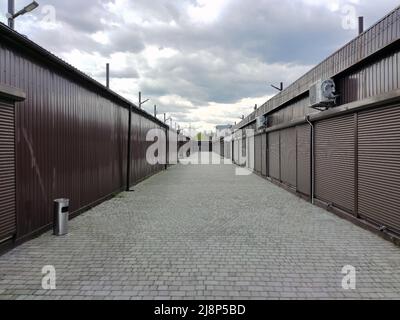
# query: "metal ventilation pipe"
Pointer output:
{"type": "Point", "coordinates": [360, 25]}
{"type": "Point", "coordinates": [312, 159]}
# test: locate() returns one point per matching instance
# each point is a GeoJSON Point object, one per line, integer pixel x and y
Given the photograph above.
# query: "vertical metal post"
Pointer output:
{"type": "Point", "coordinates": [108, 75]}
{"type": "Point", "coordinates": [11, 11]}
{"type": "Point", "coordinates": [167, 160]}
{"type": "Point", "coordinates": [360, 25]}
{"type": "Point", "coordinates": [165, 117]}
{"type": "Point", "coordinates": [155, 111]}
{"type": "Point", "coordinates": [140, 100]}
{"type": "Point", "coordinates": [312, 156]}
{"type": "Point", "coordinates": [128, 166]}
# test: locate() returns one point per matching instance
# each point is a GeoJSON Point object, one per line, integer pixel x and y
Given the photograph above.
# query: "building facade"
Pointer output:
{"type": "Point", "coordinates": [62, 135]}
{"type": "Point", "coordinates": [347, 158]}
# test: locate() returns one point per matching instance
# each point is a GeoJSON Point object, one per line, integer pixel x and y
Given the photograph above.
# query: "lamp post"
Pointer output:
{"type": "Point", "coordinates": [11, 15]}
{"type": "Point", "coordinates": [142, 102]}
{"type": "Point", "coordinates": [128, 165]}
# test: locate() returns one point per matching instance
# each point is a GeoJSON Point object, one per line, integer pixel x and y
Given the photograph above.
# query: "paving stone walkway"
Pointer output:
{"type": "Point", "coordinates": [201, 232]}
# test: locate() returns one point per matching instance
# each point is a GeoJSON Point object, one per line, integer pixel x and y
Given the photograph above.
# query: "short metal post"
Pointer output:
{"type": "Point", "coordinates": [108, 75]}
{"type": "Point", "coordinates": [360, 25]}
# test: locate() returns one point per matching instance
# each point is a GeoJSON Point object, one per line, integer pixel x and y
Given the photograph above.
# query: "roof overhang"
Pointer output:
{"type": "Point", "coordinates": [11, 93]}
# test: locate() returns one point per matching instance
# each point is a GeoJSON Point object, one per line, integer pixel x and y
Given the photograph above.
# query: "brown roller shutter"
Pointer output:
{"type": "Point", "coordinates": [334, 161]}
{"type": "Point", "coordinates": [257, 152]}
{"type": "Point", "coordinates": [7, 172]}
{"type": "Point", "coordinates": [288, 156]}
{"type": "Point", "coordinates": [304, 159]}
{"type": "Point", "coordinates": [379, 166]}
{"type": "Point", "coordinates": [264, 155]}
{"type": "Point", "coordinates": [273, 160]}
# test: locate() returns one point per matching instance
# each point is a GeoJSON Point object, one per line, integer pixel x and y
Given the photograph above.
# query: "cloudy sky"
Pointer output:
{"type": "Point", "coordinates": [203, 62]}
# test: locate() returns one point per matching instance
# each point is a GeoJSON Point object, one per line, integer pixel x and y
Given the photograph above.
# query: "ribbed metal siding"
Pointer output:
{"type": "Point", "coordinates": [380, 35]}
{"type": "Point", "coordinates": [334, 161]}
{"type": "Point", "coordinates": [71, 139]}
{"type": "Point", "coordinates": [7, 172]}
{"type": "Point", "coordinates": [379, 166]}
{"type": "Point", "coordinates": [304, 159]}
{"type": "Point", "coordinates": [288, 156]}
{"type": "Point", "coordinates": [273, 159]}
{"type": "Point", "coordinates": [257, 154]}
{"type": "Point", "coordinates": [264, 154]}
{"type": "Point", "coordinates": [370, 80]}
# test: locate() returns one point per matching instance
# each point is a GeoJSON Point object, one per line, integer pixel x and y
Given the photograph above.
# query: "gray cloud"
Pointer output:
{"type": "Point", "coordinates": [248, 47]}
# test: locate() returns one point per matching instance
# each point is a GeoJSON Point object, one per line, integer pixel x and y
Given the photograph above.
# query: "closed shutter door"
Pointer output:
{"type": "Point", "coordinates": [379, 166]}
{"type": "Point", "coordinates": [334, 161]}
{"type": "Point", "coordinates": [250, 152]}
{"type": "Point", "coordinates": [7, 172]}
{"type": "Point", "coordinates": [264, 155]}
{"type": "Point", "coordinates": [288, 156]}
{"type": "Point", "coordinates": [273, 160]}
{"type": "Point", "coordinates": [257, 159]}
{"type": "Point", "coordinates": [304, 159]}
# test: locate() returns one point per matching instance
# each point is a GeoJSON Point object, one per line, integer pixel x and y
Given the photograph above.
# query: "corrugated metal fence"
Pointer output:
{"type": "Point", "coordinates": [70, 140]}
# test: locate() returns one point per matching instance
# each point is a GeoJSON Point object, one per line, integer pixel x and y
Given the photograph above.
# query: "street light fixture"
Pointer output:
{"type": "Point", "coordinates": [11, 15]}
{"type": "Point", "coordinates": [128, 163]}
{"type": "Point", "coordinates": [142, 102]}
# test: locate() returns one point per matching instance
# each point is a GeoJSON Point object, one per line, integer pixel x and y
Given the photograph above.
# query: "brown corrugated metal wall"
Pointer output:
{"type": "Point", "coordinates": [335, 161]}
{"type": "Point", "coordinates": [288, 156]}
{"type": "Point", "coordinates": [7, 172]}
{"type": "Point", "coordinates": [71, 139]}
{"type": "Point", "coordinates": [304, 159]}
{"type": "Point", "coordinates": [274, 155]}
{"type": "Point", "coordinates": [357, 156]}
{"type": "Point", "coordinates": [379, 166]}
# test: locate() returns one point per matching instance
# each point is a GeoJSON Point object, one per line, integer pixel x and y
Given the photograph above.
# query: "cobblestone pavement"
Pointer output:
{"type": "Point", "coordinates": [201, 232]}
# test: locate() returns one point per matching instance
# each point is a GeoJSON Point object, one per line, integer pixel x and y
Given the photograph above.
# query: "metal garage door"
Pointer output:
{"type": "Point", "coordinates": [7, 172]}
{"type": "Point", "coordinates": [257, 152]}
{"type": "Point", "coordinates": [288, 156]}
{"type": "Point", "coordinates": [273, 156]}
{"type": "Point", "coordinates": [304, 159]}
{"type": "Point", "coordinates": [264, 154]}
{"type": "Point", "coordinates": [250, 152]}
{"type": "Point", "coordinates": [379, 166]}
{"type": "Point", "coordinates": [334, 161]}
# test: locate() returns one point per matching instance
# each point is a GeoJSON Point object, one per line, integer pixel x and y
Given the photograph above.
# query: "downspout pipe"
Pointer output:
{"type": "Point", "coordinates": [312, 159]}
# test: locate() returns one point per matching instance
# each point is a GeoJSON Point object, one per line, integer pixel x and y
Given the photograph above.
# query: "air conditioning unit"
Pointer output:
{"type": "Point", "coordinates": [261, 122]}
{"type": "Point", "coordinates": [323, 94]}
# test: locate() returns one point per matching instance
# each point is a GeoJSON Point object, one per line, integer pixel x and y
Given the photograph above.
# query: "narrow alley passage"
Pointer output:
{"type": "Point", "coordinates": [202, 232]}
